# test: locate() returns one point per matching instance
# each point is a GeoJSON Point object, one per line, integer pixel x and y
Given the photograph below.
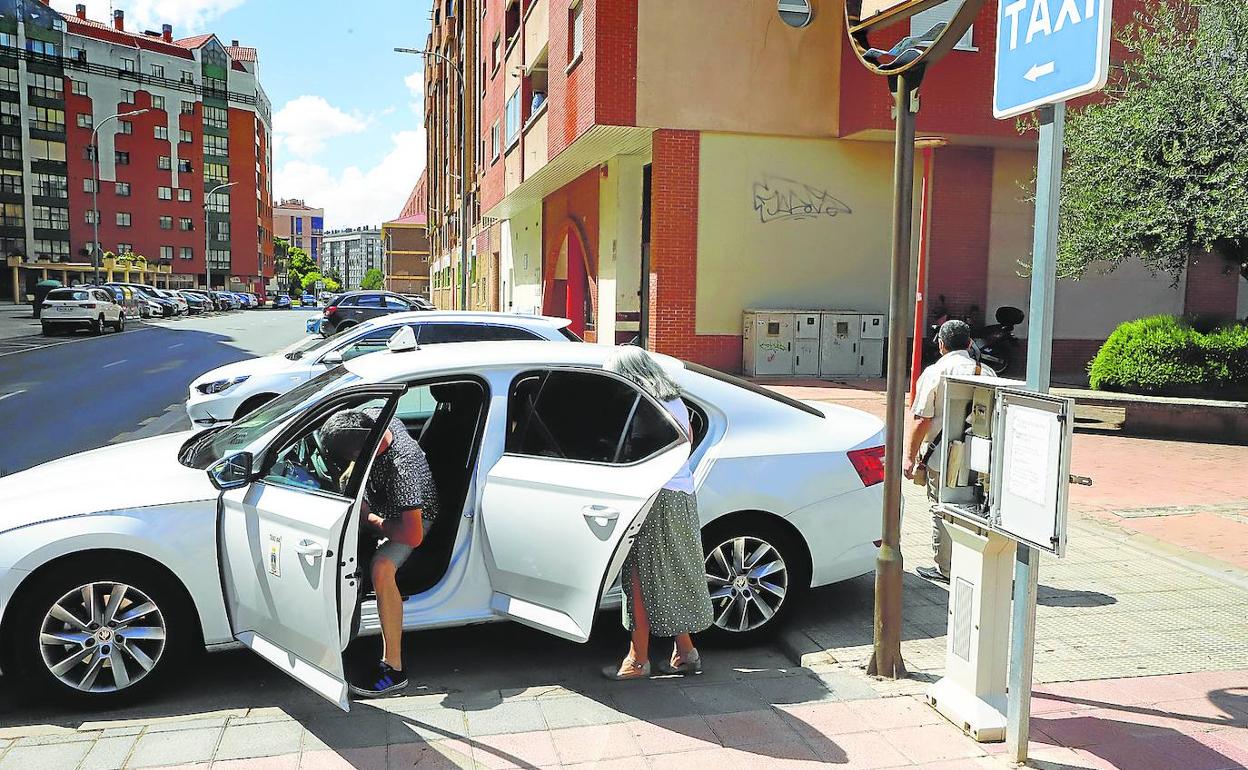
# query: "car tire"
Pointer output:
{"type": "Point", "coordinates": [41, 636]}
{"type": "Point", "coordinates": [47, 330]}
{"type": "Point", "coordinates": [252, 404]}
{"type": "Point", "coordinates": [97, 326]}
{"type": "Point", "coordinates": [767, 592]}
{"type": "Point", "coordinates": [121, 323]}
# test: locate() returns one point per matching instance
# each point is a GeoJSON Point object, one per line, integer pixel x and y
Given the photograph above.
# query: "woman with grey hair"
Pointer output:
{"type": "Point", "coordinates": [664, 577]}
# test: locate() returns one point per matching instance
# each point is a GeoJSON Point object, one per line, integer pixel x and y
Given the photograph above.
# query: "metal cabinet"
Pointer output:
{"type": "Point", "coordinates": [838, 346]}
{"type": "Point", "coordinates": [813, 343]}
{"type": "Point", "coordinates": [806, 326]}
{"type": "Point", "coordinates": [768, 343]}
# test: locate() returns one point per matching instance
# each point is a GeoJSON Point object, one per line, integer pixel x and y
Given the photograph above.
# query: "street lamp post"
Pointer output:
{"type": "Point", "coordinates": [95, 187]}
{"type": "Point", "coordinates": [207, 262]}
{"type": "Point", "coordinates": [463, 170]}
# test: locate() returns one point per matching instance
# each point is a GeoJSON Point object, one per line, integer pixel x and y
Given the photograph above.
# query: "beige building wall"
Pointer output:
{"type": "Point", "coordinates": [520, 279]}
{"type": "Point", "coordinates": [733, 65]}
{"type": "Point", "coordinates": [1088, 308]}
{"type": "Point", "coordinates": [791, 223]}
{"type": "Point", "coordinates": [619, 242]}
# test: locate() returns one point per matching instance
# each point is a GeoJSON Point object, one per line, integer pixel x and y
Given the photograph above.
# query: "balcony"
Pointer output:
{"type": "Point", "coordinates": [536, 31]}
{"type": "Point", "coordinates": [535, 142]}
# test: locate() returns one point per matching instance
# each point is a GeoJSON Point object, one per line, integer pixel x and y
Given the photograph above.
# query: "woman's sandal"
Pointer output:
{"type": "Point", "coordinates": [629, 669]}
{"type": "Point", "coordinates": [691, 665]}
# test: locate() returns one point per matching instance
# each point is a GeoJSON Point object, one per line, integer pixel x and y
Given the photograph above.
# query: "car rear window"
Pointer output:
{"type": "Point", "coordinates": [760, 390]}
{"type": "Point", "coordinates": [570, 335]}
{"type": "Point", "coordinates": [68, 294]}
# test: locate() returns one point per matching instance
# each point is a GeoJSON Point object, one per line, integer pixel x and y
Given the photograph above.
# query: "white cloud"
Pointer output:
{"type": "Point", "coordinates": [188, 17]}
{"type": "Point", "coordinates": [304, 124]}
{"type": "Point", "coordinates": [356, 196]}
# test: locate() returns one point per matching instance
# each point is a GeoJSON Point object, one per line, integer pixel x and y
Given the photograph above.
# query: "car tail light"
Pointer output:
{"type": "Point", "coordinates": [88, 305]}
{"type": "Point", "coordinates": [331, 310]}
{"type": "Point", "coordinates": [869, 463]}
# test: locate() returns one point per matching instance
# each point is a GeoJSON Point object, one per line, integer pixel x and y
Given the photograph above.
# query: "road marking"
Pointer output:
{"type": "Point", "coordinates": [178, 345]}
{"type": "Point", "coordinates": [14, 393]}
{"type": "Point", "coordinates": [115, 363]}
{"type": "Point", "coordinates": [45, 346]}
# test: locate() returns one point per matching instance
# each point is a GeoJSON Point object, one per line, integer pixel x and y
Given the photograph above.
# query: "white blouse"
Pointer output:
{"type": "Point", "coordinates": [683, 480]}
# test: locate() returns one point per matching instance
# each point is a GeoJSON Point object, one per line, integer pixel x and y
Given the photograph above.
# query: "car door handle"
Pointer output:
{"type": "Point", "coordinates": [600, 512]}
{"type": "Point", "coordinates": [310, 548]}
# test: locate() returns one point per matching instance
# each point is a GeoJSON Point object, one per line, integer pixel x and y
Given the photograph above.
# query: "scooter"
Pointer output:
{"type": "Point", "coordinates": [995, 344]}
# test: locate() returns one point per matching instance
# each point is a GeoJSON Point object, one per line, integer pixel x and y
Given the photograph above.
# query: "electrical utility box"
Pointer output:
{"type": "Point", "coordinates": [767, 337]}
{"type": "Point", "coordinates": [852, 344]}
{"type": "Point", "coordinates": [844, 344]}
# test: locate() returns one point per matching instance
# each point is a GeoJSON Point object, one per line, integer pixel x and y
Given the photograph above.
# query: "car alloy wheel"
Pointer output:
{"type": "Point", "coordinates": [121, 322]}
{"type": "Point", "coordinates": [102, 637]}
{"type": "Point", "coordinates": [97, 326]}
{"type": "Point", "coordinates": [748, 580]}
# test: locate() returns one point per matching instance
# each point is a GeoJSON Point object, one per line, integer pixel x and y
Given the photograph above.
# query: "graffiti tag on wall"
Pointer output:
{"type": "Point", "coordinates": [778, 198]}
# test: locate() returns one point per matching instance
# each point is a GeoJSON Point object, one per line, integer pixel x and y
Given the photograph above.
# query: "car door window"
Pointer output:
{"type": "Point", "coordinates": [304, 462]}
{"type": "Point", "coordinates": [394, 303]}
{"type": "Point", "coordinates": [584, 416]}
{"type": "Point", "coordinates": [370, 343]}
{"type": "Point", "coordinates": [365, 300]}
{"type": "Point", "coordinates": [434, 333]}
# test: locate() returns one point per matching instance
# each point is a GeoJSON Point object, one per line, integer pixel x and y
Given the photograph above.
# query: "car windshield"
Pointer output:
{"type": "Point", "coordinates": [207, 447]}
{"type": "Point", "coordinates": [315, 343]}
{"type": "Point", "coordinates": [75, 294]}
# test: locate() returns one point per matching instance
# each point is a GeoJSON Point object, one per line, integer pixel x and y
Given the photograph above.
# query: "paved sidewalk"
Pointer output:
{"type": "Point", "coordinates": [17, 321]}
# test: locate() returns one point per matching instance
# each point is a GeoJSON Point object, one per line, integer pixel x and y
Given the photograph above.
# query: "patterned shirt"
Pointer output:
{"type": "Point", "coordinates": [400, 478]}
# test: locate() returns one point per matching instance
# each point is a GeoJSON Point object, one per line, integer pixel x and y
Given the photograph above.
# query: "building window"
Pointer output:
{"type": "Point", "coordinates": [46, 149]}
{"type": "Point", "coordinates": [513, 117]}
{"type": "Point", "coordinates": [186, 224]}
{"type": "Point", "coordinates": [158, 71]}
{"type": "Point", "coordinates": [576, 32]}
{"type": "Point", "coordinates": [125, 248]}
{"type": "Point", "coordinates": [219, 202]}
{"type": "Point", "coordinates": [79, 87]}
{"type": "Point", "coordinates": [47, 119]}
{"type": "Point", "coordinates": [122, 189]}
{"type": "Point", "coordinates": [125, 127]}
{"type": "Point", "coordinates": [216, 171]}
{"type": "Point", "coordinates": [8, 79]}
{"type": "Point", "coordinates": [216, 145]}
{"type": "Point", "coordinates": [121, 158]}
{"type": "Point", "coordinates": [12, 215]}
{"type": "Point", "coordinates": [88, 185]}
{"type": "Point", "coordinates": [123, 219]}
{"type": "Point", "coordinates": [223, 231]}
{"type": "Point", "coordinates": [166, 253]}
{"type": "Point", "coordinates": [50, 217]}
{"type": "Point", "coordinates": [166, 223]}
{"type": "Point", "coordinates": [10, 181]}
{"type": "Point", "coordinates": [46, 86]}
{"type": "Point", "coordinates": [187, 77]}
{"type": "Point", "coordinates": [158, 102]}
{"type": "Point", "coordinates": [495, 143]}
{"type": "Point", "coordinates": [48, 249]}
{"type": "Point", "coordinates": [91, 217]}
{"type": "Point", "coordinates": [216, 117]}
{"type": "Point", "coordinates": [495, 54]}
{"type": "Point", "coordinates": [184, 194]}
{"type": "Point", "coordinates": [185, 136]}
{"type": "Point", "coordinates": [127, 65]}
{"type": "Point", "coordinates": [78, 54]}
{"type": "Point", "coordinates": [188, 108]}
{"type": "Point", "coordinates": [164, 193]}
{"type": "Point", "coordinates": [43, 47]}
{"type": "Point", "coordinates": [186, 252]}
{"type": "Point", "coordinates": [85, 120]}
{"type": "Point", "coordinates": [184, 166]}
{"type": "Point", "coordinates": [164, 163]}
{"type": "Point", "coordinates": [127, 96]}
{"type": "Point", "coordinates": [51, 186]}
{"type": "Point", "coordinates": [10, 113]}
{"type": "Point", "coordinates": [161, 132]}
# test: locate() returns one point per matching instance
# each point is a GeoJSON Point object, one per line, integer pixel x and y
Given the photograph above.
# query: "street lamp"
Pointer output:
{"type": "Point", "coordinates": [463, 171]}
{"type": "Point", "coordinates": [95, 186]}
{"type": "Point", "coordinates": [207, 262]}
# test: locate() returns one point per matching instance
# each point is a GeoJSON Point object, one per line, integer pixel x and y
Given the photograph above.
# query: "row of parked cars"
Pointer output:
{"type": "Point", "coordinates": [110, 305]}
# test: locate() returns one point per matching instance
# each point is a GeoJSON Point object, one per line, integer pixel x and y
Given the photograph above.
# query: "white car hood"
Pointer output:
{"type": "Point", "coordinates": [252, 367]}
{"type": "Point", "coordinates": [135, 474]}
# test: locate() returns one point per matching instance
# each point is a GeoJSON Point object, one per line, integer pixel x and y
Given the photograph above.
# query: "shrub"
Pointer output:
{"type": "Point", "coordinates": [1165, 355]}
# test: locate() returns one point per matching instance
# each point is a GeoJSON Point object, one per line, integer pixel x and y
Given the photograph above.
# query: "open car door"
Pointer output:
{"type": "Point", "coordinates": [287, 539]}
{"type": "Point", "coordinates": [557, 526]}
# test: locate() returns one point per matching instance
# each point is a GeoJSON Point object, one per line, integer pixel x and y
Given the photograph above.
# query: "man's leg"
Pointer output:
{"type": "Point", "coordinates": [389, 610]}
{"type": "Point", "coordinates": [942, 548]}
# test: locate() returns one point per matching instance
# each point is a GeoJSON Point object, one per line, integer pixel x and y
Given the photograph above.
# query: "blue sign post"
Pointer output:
{"type": "Point", "coordinates": [1049, 51]}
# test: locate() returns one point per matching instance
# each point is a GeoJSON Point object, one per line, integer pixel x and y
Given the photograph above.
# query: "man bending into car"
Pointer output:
{"type": "Point", "coordinates": [400, 502]}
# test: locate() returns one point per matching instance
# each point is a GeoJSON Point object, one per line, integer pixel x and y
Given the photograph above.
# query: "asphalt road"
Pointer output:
{"type": "Point", "coordinates": [82, 392]}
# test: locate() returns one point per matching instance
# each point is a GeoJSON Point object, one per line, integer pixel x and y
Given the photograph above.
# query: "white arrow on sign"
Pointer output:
{"type": "Point", "coordinates": [1038, 71]}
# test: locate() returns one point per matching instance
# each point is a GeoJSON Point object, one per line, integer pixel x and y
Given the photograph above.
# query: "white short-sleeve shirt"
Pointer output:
{"type": "Point", "coordinates": [683, 480]}
{"type": "Point", "coordinates": [929, 392]}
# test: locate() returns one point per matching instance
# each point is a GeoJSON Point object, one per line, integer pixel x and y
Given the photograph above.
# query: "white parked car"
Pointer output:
{"type": "Point", "coordinates": [183, 306]}
{"type": "Point", "coordinates": [231, 391]}
{"type": "Point", "coordinates": [545, 466]}
{"type": "Point", "coordinates": [81, 307]}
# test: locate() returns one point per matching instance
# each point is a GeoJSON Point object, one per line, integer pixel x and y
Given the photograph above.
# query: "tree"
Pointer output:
{"type": "Point", "coordinates": [373, 279]}
{"type": "Point", "coordinates": [309, 281]}
{"type": "Point", "coordinates": [332, 286]}
{"type": "Point", "coordinates": [1158, 169]}
{"type": "Point", "coordinates": [332, 273]}
{"type": "Point", "coordinates": [300, 266]}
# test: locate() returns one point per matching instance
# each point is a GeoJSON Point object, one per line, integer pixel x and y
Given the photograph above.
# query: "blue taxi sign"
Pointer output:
{"type": "Point", "coordinates": [1049, 51]}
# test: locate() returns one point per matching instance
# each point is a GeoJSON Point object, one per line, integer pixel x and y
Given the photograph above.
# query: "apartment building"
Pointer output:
{"type": "Point", "coordinates": [655, 169]}
{"type": "Point", "coordinates": [351, 253]}
{"type": "Point", "coordinates": [299, 224]}
{"type": "Point", "coordinates": [198, 132]}
{"type": "Point", "coordinates": [406, 244]}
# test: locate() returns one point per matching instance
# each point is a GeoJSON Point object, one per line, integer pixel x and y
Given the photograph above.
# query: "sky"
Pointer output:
{"type": "Point", "coordinates": [347, 111]}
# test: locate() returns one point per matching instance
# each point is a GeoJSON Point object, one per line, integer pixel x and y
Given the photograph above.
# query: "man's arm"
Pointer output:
{"type": "Point", "coordinates": [408, 528]}
{"type": "Point", "coordinates": [918, 430]}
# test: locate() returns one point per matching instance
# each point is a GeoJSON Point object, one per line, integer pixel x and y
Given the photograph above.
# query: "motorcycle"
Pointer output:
{"type": "Point", "coordinates": [994, 345]}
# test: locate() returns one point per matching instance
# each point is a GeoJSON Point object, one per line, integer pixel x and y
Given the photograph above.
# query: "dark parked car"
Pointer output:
{"type": "Point", "coordinates": [230, 301]}
{"type": "Point", "coordinates": [351, 308]}
{"type": "Point", "coordinates": [281, 302]}
{"type": "Point", "coordinates": [195, 303]}
{"type": "Point", "coordinates": [419, 302]}
{"type": "Point", "coordinates": [307, 300]}
{"type": "Point", "coordinates": [210, 302]}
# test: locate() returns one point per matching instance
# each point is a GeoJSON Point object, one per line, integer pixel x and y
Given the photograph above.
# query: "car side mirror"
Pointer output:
{"type": "Point", "coordinates": [231, 472]}
{"type": "Point", "coordinates": [332, 358]}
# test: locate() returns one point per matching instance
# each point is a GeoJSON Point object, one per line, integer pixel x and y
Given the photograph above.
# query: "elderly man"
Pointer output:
{"type": "Point", "coordinates": [400, 502]}
{"type": "Point", "coordinates": [954, 340]}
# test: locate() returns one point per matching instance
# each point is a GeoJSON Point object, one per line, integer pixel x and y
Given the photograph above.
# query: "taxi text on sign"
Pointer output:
{"type": "Point", "coordinates": [1049, 51]}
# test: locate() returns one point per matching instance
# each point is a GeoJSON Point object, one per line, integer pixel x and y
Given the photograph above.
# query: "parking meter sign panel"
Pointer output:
{"type": "Point", "coordinates": [1033, 439]}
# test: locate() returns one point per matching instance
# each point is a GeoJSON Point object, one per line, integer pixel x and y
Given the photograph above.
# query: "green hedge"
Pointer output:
{"type": "Point", "coordinates": [1169, 356]}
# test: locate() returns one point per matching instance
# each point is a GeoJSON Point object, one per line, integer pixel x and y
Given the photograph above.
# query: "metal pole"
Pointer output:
{"type": "Point", "coordinates": [95, 202]}
{"type": "Point", "coordinates": [886, 657]}
{"type": "Point", "coordinates": [1039, 357]}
